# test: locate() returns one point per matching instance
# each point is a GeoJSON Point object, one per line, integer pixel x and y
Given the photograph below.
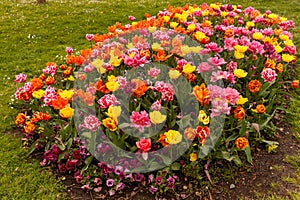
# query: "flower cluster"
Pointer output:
{"type": "Point", "coordinates": [155, 84]}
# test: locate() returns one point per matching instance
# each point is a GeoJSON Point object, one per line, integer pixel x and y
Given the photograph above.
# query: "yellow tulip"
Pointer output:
{"type": "Point", "coordinates": [173, 137]}
{"type": "Point", "coordinates": [202, 117]}
{"type": "Point", "coordinates": [240, 73]}
{"type": "Point", "coordinates": [156, 117]}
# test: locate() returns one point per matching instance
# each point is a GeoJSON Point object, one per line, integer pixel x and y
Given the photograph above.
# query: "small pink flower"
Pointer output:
{"type": "Point", "coordinates": [131, 18]}
{"type": "Point", "coordinates": [107, 100]}
{"type": "Point", "coordinates": [232, 95]}
{"type": "Point", "coordinates": [122, 81]}
{"type": "Point", "coordinates": [166, 90]}
{"type": "Point", "coordinates": [20, 78]}
{"type": "Point", "coordinates": [49, 95]}
{"type": "Point", "coordinates": [269, 75]}
{"type": "Point", "coordinates": [144, 144]}
{"type": "Point", "coordinates": [69, 50]}
{"type": "Point", "coordinates": [182, 62]}
{"type": "Point", "coordinates": [154, 72]}
{"type": "Point", "coordinates": [203, 67]}
{"type": "Point", "coordinates": [214, 47]}
{"type": "Point", "coordinates": [89, 37]}
{"type": "Point", "coordinates": [231, 66]}
{"type": "Point", "coordinates": [219, 106]}
{"type": "Point", "coordinates": [156, 105]}
{"type": "Point", "coordinates": [50, 69]}
{"type": "Point", "coordinates": [230, 43]}
{"type": "Point", "coordinates": [88, 68]}
{"type": "Point", "coordinates": [140, 120]}
{"type": "Point", "coordinates": [91, 123]}
{"type": "Point", "coordinates": [216, 61]}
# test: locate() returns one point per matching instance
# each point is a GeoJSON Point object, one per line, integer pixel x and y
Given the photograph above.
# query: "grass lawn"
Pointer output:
{"type": "Point", "coordinates": [32, 35]}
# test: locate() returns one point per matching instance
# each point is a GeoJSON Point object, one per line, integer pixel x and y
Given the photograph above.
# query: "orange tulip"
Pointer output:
{"type": "Point", "coordinates": [201, 94]}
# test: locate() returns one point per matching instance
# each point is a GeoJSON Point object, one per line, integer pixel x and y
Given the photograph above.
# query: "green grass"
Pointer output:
{"type": "Point", "coordinates": [31, 35]}
{"type": "Point", "coordinates": [22, 178]}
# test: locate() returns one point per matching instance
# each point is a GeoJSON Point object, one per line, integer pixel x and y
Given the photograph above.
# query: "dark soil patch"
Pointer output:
{"type": "Point", "coordinates": [261, 179]}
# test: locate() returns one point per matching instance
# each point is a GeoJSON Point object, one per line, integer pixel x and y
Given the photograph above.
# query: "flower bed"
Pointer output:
{"type": "Point", "coordinates": [162, 96]}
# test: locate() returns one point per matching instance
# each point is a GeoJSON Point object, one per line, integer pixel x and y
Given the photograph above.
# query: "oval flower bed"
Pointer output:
{"type": "Point", "coordinates": [160, 97]}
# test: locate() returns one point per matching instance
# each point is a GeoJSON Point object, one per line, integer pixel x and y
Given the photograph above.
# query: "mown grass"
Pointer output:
{"type": "Point", "coordinates": [31, 35]}
{"type": "Point", "coordinates": [22, 178]}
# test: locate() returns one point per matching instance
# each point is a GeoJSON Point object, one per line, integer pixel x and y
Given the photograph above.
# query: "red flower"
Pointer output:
{"type": "Point", "coordinates": [144, 144]}
{"type": "Point", "coordinates": [76, 154]}
{"type": "Point", "coordinates": [202, 132]}
{"type": "Point", "coordinates": [295, 84]}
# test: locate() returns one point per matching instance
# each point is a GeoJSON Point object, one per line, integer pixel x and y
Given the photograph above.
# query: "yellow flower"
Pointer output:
{"type": "Point", "coordinates": [224, 14]}
{"type": "Point", "coordinates": [200, 35]}
{"type": "Point", "coordinates": [111, 78]}
{"type": "Point", "coordinates": [240, 73]}
{"type": "Point", "coordinates": [173, 24]}
{"type": "Point", "coordinates": [155, 46]}
{"type": "Point", "coordinates": [241, 49]}
{"type": "Point", "coordinates": [174, 74]}
{"type": "Point", "coordinates": [196, 49]}
{"type": "Point", "coordinates": [66, 93]}
{"type": "Point", "coordinates": [114, 112]}
{"type": "Point", "coordinates": [38, 94]}
{"type": "Point", "coordinates": [283, 19]}
{"type": "Point", "coordinates": [66, 112]}
{"type": "Point", "coordinates": [173, 137]}
{"type": "Point", "coordinates": [287, 57]}
{"type": "Point", "coordinates": [185, 50]}
{"type": "Point", "coordinates": [134, 23]}
{"type": "Point", "coordinates": [238, 55]}
{"type": "Point", "coordinates": [110, 124]}
{"type": "Point", "coordinates": [203, 117]}
{"type": "Point", "coordinates": [193, 157]}
{"type": "Point", "coordinates": [188, 68]}
{"type": "Point", "coordinates": [152, 29]}
{"type": "Point", "coordinates": [273, 16]}
{"type": "Point", "coordinates": [205, 13]}
{"type": "Point", "coordinates": [97, 63]}
{"type": "Point", "coordinates": [112, 86]}
{"type": "Point", "coordinates": [71, 78]}
{"type": "Point", "coordinates": [278, 49]}
{"type": "Point", "coordinates": [191, 27]}
{"type": "Point", "coordinates": [214, 6]}
{"type": "Point", "coordinates": [156, 117]}
{"type": "Point", "coordinates": [289, 43]}
{"type": "Point", "coordinates": [183, 17]}
{"type": "Point", "coordinates": [248, 24]}
{"type": "Point", "coordinates": [283, 37]}
{"type": "Point", "coordinates": [166, 18]}
{"type": "Point", "coordinates": [241, 100]}
{"type": "Point", "coordinates": [130, 45]}
{"type": "Point", "coordinates": [257, 36]}
{"type": "Point", "coordinates": [114, 60]}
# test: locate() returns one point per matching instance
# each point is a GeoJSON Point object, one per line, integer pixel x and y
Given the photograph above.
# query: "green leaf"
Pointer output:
{"type": "Point", "coordinates": [32, 148]}
{"type": "Point", "coordinates": [232, 137]}
{"type": "Point", "coordinates": [248, 154]}
{"type": "Point", "coordinates": [184, 122]}
{"type": "Point", "coordinates": [87, 162]}
{"type": "Point", "coordinates": [123, 125]}
{"type": "Point", "coordinates": [166, 159]}
{"type": "Point", "coordinates": [226, 155]}
{"type": "Point", "coordinates": [86, 135]}
{"type": "Point", "coordinates": [237, 160]}
{"type": "Point", "coordinates": [175, 166]}
{"type": "Point", "coordinates": [243, 128]}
